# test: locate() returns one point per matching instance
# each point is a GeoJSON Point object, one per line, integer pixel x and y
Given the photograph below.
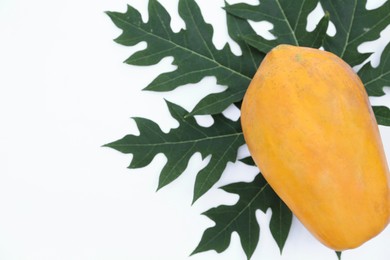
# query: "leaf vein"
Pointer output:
{"type": "Point", "coordinates": [238, 215]}
{"type": "Point", "coordinates": [184, 48]}
{"type": "Point", "coordinates": [288, 23]}
{"type": "Point", "coordinates": [227, 136]}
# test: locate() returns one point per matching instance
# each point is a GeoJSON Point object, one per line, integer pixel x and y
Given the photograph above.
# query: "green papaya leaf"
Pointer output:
{"type": "Point", "coordinates": [382, 115]}
{"type": "Point", "coordinates": [192, 49]}
{"type": "Point", "coordinates": [237, 29]}
{"type": "Point", "coordinates": [375, 79]}
{"type": "Point", "coordinates": [344, 43]}
{"type": "Point", "coordinates": [241, 218]}
{"type": "Point", "coordinates": [354, 25]}
{"type": "Point", "coordinates": [221, 141]}
{"type": "Point", "coordinates": [289, 19]}
{"type": "Point", "coordinates": [281, 215]}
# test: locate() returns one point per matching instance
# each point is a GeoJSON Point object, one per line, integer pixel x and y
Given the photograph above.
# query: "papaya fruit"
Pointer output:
{"type": "Point", "coordinates": [309, 127]}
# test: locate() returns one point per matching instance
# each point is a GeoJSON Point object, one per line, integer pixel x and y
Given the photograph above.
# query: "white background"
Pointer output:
{"type": "Point", "coordinates": [64, 92]}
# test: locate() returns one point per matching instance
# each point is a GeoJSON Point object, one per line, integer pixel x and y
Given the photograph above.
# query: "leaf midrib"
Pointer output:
{"type": "Point", "coordinates": [299, 15]}
{"type": "Point", "coordinates": [288, 23]}
{"type": "Point", "coordinates": [215, 165]}
{"type": "Point", "coordinates": [376, 78]}
{"type": "Point", "coordinates": [199, 33]}
{"type": "Point", "coordinates": [349, 29]}
{"type": "Point", "coordinates": [248, 46]}
{"type": "Point", "coordinates": [219, 101]}
{"type": "Point", "coordinates": [374, 26]}
{"type": "Point", "coordinates": [184, 48]}
{"type": "Point", "coordinates": [239, 214]}
{"type": "Point", "coordinates": [228, 136]}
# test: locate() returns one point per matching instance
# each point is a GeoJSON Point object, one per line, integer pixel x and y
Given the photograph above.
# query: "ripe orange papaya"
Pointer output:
{"type": "Point", "coordinates": [309, 127]}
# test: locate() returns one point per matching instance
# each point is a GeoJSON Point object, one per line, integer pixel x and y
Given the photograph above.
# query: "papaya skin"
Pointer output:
{"type": "Point", "coordinates": [309, 127]}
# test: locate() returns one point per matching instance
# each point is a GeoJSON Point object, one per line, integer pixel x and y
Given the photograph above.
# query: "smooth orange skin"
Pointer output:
{"type": "Point", "coordinates": [309, 126]}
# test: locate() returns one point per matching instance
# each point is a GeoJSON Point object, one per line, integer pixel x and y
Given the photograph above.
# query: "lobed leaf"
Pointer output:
{"type": "Point", "coordinates": [221, 141]}
{"type": "Point", "coordinates": [237, 28]}
{"type": "Point", "coordinates": [375, 79]}
{"type": "Point", "coordinates": [354, 25]}
{"type": "Point", "coordinates": [241, 218]}
{"type": "Point", "coordinates": [281, 215]}
{"type": "Point", "coordinates": [289, 19]}
{"type": "Point", "coordinates": [192, 49]}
